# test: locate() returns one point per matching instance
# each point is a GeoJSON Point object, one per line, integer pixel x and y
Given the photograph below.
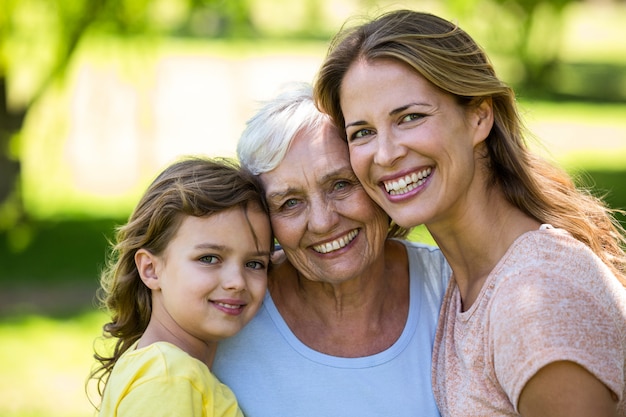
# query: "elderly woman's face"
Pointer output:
{"type": "Point", "coordinates": [330, 229]}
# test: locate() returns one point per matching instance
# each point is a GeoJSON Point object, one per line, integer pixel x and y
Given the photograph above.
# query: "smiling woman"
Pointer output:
{"type": "Point", "coordinates": [308, 198]}
{"type": "Point", "coordinates": [530, 253]}
{"type": "Point", "coordinates": [348, 321]}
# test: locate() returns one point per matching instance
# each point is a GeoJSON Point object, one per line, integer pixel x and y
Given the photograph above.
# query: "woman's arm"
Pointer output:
{"type": "Point", "coordinates": [566, 389]}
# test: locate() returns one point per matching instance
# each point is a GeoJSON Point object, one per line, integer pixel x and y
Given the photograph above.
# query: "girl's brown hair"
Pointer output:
{"type": "Point", "coordinates": [190, 187]}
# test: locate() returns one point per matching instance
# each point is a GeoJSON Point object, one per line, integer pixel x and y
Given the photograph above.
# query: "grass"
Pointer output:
{"type": "Point", "coordinates": [45, 362]}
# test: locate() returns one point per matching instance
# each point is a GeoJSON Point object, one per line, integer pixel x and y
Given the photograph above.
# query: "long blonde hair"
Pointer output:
{"type": "Point", "coordinates": [450, 59]}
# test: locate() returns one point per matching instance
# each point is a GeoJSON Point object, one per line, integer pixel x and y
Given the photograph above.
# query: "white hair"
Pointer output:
{"type": "Point", "coordinates": [269, 133]}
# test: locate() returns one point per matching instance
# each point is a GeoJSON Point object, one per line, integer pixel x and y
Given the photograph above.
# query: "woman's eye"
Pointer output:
{"type": "Point", "coordinates": [292, 202]}
{"type": "Point", "coordinates": [359, 134]}
{"type": "Point", "coordinates": [411, 117]}
{"type": "Point", "coordinates": [255, 265]}
{"type": "Point", "coordinates": [209, 259]}
{"type": "Point", "coordinates": [341, 185]}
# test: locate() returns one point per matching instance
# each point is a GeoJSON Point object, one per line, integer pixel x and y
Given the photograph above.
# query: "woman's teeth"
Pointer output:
{"type": "Point", "coordinates": [336, 244]}
{"type": "Point", "coordinates": [408, 183]}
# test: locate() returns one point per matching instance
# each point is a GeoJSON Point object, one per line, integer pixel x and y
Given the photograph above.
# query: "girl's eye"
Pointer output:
{"type": "Point", "coordinates": [255, 265]}
{"type": "Point", "coordinates": [359, 134]}
{"type": "Point", "coordinates": [209, 259]}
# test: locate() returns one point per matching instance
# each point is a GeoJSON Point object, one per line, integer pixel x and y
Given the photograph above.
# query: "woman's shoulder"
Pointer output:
{"type": "Point", "coordinates": [549, 276]}
{"type": "Point", "coordinates": [549, 247]}
{"type": "Point", "coordinates": [551, 263]}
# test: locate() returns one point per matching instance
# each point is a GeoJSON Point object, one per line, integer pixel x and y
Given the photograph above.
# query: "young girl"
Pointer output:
{"type": "Point", "coordinates": [188, 269]}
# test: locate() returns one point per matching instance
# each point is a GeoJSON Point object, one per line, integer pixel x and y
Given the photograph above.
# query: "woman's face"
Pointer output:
{"type": "Point", "coordinates": [412, 146]}
{"type": "Point", "coordinates": [330, 229]}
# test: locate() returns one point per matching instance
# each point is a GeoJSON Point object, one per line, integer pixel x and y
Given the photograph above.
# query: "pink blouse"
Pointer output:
{"type": "Point", "coordinates": [549, 299]}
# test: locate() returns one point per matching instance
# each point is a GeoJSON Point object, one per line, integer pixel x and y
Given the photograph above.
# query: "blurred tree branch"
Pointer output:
{"type": "Point", "coordinates": [43, 36]}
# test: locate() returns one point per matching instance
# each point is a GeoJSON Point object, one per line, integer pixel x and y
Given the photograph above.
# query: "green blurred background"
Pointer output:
{"type": "Point", "coordinates": [96, 96]}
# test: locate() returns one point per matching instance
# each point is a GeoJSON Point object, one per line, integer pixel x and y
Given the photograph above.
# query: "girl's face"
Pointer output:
{"type": "Point", "coordinates": [211, 278]}
{"type": "Point", "coordinates": [330, 229]}
{"type": "Point", "coordinates": [411, 145]}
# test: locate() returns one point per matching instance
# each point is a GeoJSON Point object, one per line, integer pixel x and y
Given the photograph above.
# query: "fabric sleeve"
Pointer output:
{"type": "Point", "coordinates": [165, 396]}
{"type": "Point", "coordinates": [546, 316]}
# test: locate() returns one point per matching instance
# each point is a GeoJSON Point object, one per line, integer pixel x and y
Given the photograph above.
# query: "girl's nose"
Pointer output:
{"type": "Point", "coordinates": [233, 278]}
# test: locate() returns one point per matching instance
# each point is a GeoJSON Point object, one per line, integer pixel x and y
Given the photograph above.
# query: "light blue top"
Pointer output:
{"type": "Point", "coordinates": [273, 374]}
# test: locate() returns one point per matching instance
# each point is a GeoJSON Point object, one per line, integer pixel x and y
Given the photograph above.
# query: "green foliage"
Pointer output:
{"type": "Point", "coordinates": [531, 42]}
{"type": "Point", "coordinates": [71, 250]}
{"type": "Point", "coordinates": [39, 38]}
{"type": "Point", "coordinates": [45, 362]}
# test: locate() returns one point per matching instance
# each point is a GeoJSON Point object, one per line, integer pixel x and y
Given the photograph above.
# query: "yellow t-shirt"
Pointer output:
{"type": "Point", "coordinates": [163, 380]}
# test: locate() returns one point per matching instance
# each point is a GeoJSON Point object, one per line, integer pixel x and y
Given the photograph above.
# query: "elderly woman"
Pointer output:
{"type": "Point", "coordinates": [348, 322]}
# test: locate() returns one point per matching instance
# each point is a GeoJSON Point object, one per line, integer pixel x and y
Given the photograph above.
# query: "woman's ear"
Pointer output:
{"type": "Point", "coordinates": [482, 119]}
{"type": "Point", "coordinates": [146, 264]}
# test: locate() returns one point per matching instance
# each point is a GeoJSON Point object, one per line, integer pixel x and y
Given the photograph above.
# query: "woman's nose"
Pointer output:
{"type": "Point", "coordinates": [322, 215]}
{"type": "Point", "coordinates": [389, 150]}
